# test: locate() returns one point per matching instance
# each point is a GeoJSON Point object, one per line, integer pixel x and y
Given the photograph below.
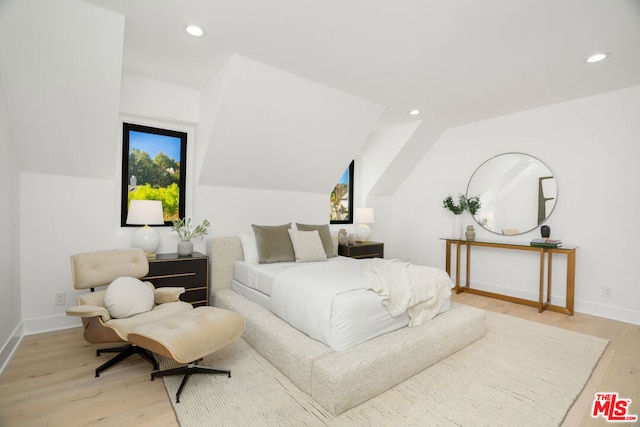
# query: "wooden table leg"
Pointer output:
{"type": "Point", "coordinates": [468, 276]}
{"type": "Point", "coordinates": [458, 266]}
{"type": "Point", "coordinates": [571, 280]}
{"type": "Point", "coordinates": [549, 268]}
{"type": "Point", "coordinates": [448, 264]}
{"type": "Point", "coordinates": [541, 290]}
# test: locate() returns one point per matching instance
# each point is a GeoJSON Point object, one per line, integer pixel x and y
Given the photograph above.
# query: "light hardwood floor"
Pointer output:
{"type": "Point", "coordinates": [50, 379]}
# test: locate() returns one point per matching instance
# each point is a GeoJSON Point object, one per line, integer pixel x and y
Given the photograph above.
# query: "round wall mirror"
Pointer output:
{"type": "Point", "coordinates": [517, 192]}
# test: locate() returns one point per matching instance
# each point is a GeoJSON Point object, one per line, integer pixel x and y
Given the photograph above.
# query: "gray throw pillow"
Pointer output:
{"type": "Point", "coordinates": [274, 243]}
{"type": "Point", "coordinates": [325, 236]}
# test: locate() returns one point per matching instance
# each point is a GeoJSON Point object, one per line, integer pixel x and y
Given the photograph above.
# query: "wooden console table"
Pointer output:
{"type": "Point", "coordinates": [542, 303]}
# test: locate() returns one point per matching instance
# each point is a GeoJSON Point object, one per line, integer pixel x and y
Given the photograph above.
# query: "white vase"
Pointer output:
{"type": "Point", "coordinates": [457, 227]}
{"type": "Point", "coordinates": [185, 247]}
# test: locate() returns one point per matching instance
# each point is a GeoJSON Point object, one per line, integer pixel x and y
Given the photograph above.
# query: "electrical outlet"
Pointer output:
{"type": "Point", "coordinates": [60, 298]}
{"type": "Point", "coordinates": [606, 291]}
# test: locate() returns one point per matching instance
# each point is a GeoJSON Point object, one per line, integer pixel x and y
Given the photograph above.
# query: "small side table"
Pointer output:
{"type": "Point", "coordinates": [190, 272]}
{"type": "Point", "coordinates": [362, 250]}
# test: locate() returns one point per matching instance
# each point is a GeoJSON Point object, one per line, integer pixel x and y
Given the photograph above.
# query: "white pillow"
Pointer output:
{"type": "Point", "coordinates": [249, 247]}
{"type": "Point", "coordinates": [307, 246]}
{"type": "Point", "coordinates": [128, 296]}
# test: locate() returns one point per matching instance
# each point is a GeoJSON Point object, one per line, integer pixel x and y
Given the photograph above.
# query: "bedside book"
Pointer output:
{"type": "Point", "coordinates": [546, 243]}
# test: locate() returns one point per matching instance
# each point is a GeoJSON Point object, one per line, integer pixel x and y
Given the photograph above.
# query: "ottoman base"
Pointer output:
{"type": "Point", "coordinates": [188, 370]}
{"type": "Point", "coordinates": [123, 353]}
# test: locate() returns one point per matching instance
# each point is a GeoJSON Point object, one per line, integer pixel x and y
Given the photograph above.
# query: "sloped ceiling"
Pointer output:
{"type": "Point", "coordinates": [457, 61]}
{"type": "Point", "coordinates": [274, 130]}
{"type": "Point", "coordinates": [61, 80]}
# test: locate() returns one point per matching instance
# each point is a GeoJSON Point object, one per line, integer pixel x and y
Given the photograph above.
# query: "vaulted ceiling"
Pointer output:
{"type": "Point", "coordinates": [455, 60]}
{"type": "Point", "coordinates": [361, 64]}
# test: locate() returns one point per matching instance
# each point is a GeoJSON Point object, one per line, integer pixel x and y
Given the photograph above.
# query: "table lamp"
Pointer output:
{"type": "Point", "coordinates": [364, 216]}
{"type": "Point", "coordinates": [146, 212]}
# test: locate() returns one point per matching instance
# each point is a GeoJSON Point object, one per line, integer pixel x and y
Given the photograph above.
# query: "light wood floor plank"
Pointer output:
{"type": "Point", "coordinates": [50, 379]}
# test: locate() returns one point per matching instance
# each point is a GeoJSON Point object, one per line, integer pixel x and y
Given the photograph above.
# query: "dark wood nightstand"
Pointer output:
{"type": "Point", "coordinates": [362, 250]}
{"type": "Point", "coordinates": [190, 272]}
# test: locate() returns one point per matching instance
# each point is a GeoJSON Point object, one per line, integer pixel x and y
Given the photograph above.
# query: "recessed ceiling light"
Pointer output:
{"type": "Point", "coordinates": [596, 57]}
{"type": "Point", "coordinates": [195, 31]}
{"type": "Point", "coordinates": [414, 112]}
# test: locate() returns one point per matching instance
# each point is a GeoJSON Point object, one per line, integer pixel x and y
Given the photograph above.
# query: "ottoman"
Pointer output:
{"type": "Point", "coordinates": [189, 337]}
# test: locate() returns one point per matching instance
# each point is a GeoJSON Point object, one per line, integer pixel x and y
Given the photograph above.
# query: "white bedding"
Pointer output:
{"type": "Point", "coordinates": [304, 293]}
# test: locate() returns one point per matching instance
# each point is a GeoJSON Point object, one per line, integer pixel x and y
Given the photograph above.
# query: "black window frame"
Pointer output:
{"type": "Point", "coordinates": [349, 219]}
{"type": "Point", "coordinates": [127, 128]}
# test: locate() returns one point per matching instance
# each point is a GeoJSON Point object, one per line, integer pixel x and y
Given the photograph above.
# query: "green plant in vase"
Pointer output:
{"type": "Point", "coordinates": [464, 203]}
{"type": "Point", "coordinates": [186, 231]}
{"type": "Point", "coordinates": [456, 209]}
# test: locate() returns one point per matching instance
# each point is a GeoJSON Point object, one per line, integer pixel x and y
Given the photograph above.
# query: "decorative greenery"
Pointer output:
{"type": "Point", "coordinates": [184, 228]}
{"type": "Point", "coordinates": [472, 204]}
{"type": "Point", "coordinates": [456, 209]}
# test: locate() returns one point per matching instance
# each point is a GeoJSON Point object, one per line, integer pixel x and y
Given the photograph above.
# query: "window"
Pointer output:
{"type": "Point", "coordinates": [154, 168]}
{"type": "Point", "coordinates": [342, 199]}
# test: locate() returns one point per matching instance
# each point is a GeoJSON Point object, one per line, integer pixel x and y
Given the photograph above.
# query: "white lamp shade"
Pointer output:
{"type": "Point", "coordinates": [145, 212]}
{"type": "Point", "coordinates": [364, 215]}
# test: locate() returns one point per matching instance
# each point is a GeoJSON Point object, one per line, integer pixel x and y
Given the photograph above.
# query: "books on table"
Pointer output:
{"type": "Point", "coordinates": [547, 243]}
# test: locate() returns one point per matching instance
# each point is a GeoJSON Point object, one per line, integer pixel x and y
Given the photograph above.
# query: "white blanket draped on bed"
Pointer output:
{"type": "Point", "coordinates": [418, 290]}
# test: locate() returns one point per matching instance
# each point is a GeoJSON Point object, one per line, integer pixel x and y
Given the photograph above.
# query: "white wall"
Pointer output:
{"type": "Point", "coordinates": [85, 212]}
{"type": "Point", "coordinates": [10, 313]}
{"type": "Point", "coordinates": [277, 131]}
{"type": "Point", "coordinates": [233, 210]}
{"type": "Point", "coordinates": [62, 83]}
{"type": "Point", "coordinates": [591, 145]}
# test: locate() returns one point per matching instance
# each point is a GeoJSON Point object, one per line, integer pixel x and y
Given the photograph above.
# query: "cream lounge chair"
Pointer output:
{"type": "Point", "coordinates": [99, 269]}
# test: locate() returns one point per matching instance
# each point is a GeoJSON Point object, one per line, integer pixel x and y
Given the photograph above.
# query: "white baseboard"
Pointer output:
{"type": "Point", "coordinates": [32, 327]}
{"type": "Point", "coordinates": [586, 307]}
{"type": "Point", "coordinates": [57, 322]}
{"type": "Point", "coordinates": [10, 347]}
{"type": "Point", "coordinates": [609, 312]}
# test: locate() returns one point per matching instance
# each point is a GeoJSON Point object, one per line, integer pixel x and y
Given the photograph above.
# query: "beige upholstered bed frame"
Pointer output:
{"type": "Point", "coordinates": [340, 380]}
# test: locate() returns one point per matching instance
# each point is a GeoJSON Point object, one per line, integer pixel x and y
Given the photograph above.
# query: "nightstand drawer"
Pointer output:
{"type": "Point", "coordinates": [191, 273]}
{"type": "Point", "coordinates": [362, 250]}
{"type": "Point", "coordinates": [186, 280]}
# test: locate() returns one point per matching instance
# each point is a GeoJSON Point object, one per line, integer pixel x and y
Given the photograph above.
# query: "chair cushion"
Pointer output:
{"type": "Point", "coordinates": [123, 327]}
{"type": "Point", "coordinates": [128, 296]}
{"type": "Point", "coordinates": [190, 336]}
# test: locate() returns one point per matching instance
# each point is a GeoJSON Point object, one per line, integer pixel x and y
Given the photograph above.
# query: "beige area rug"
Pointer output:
{"type": "Point", "coordinates": [521, 373]}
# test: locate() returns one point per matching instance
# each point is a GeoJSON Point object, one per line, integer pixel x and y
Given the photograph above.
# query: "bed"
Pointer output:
{"type": "Point", "coordinates": [338, 380]}
{"type": "Point", "coordinates": [328, 301]}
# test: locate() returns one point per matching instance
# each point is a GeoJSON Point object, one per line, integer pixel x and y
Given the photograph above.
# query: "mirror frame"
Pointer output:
{"type": "Point", "coordinates": [542, 216]}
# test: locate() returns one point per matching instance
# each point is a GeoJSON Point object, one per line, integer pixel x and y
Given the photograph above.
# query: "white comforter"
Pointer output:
{"type": "Point", "coordinates": [303, 295]}
{"type": "Point", "coordinates": [403, 287]}
{"type": "Point", "coordinates": [313, 298]}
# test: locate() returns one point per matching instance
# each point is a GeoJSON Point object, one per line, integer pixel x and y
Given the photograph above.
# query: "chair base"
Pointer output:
{"type": "Point", "coordinates": [123, 353]}
{"type": "Point", "coordinates": [188, 370]}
